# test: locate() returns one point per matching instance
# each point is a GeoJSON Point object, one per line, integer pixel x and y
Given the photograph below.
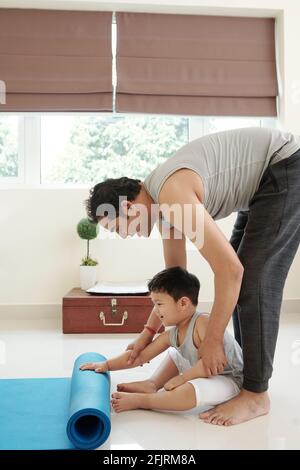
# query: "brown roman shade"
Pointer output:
{"type": "Point", "coordinates": [196, 65]}
{"type": "Point", "coordinates": [56, 60]}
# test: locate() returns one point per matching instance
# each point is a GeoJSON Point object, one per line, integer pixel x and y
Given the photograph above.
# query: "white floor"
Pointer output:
{"type": "Point", "coordinates": [39, 349]}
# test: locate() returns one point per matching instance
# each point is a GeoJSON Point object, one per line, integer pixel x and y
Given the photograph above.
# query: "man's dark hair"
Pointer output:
{"type": "Point", "coordinates": [108, 192]}
{"type": "Point", "coordinates": [177, 282]}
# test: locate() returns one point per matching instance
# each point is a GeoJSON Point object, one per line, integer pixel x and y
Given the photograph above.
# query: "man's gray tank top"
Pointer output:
{"type": "Point", "coordinates": [188, 350]}
{"type": "Point", "coordinates": [230, 164]}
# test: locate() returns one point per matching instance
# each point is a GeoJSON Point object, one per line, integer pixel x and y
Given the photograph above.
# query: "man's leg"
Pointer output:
{"type": "Point", "coordinates": [266, 251]}
{"type": "Point", "coordinates": [235, 240]}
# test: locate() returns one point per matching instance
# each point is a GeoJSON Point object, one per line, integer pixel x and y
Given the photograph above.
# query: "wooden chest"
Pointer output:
{"type": "Point", "coordinates": [87, 313]}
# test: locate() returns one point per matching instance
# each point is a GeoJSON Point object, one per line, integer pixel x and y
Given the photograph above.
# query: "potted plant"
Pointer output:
{"type": "Point", "coordinates": [88, 230]}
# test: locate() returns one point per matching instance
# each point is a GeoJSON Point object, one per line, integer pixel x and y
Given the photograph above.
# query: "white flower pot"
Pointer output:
{"type": "Point", "coordinates": [88, 276]}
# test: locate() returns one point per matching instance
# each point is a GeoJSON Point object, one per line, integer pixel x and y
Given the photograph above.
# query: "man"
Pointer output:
{"type": "Point", "coordinates": [256, 172]}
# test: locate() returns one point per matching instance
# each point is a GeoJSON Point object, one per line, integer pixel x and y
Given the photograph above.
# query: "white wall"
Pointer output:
{"type": "Point", "coordinates": [40, 250]}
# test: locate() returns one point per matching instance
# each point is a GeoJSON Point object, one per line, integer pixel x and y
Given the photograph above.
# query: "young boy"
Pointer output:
{"type": "Point", "coordinates": [174, 292]}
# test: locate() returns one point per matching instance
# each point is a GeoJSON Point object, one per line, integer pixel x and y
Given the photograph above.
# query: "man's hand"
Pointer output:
{"type": "Point", "coordinates": [174, 382]}
{"type": "Point", "coordinates": [213, 356]}
{"type": "Point", "coordinates": [138, 345]}
{"type": "Point", "coordinates": [99, 367]}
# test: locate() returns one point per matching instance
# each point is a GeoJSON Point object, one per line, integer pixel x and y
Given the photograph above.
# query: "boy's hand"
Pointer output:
{"type": "Point", "coordinates": [96, 366]}
{"type": "Point", "coordinates": [174, 382]}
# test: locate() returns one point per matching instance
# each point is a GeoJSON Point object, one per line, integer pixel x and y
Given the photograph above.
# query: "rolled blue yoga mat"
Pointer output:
{"type": "Point", "coordinates": [56, 413]}
{"type": "Point", "coordinates": [89, 412]}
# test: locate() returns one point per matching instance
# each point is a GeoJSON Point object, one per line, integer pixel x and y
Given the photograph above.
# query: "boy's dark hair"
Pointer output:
{"type": "Point", "coordinates": [108, 192]}
{"type": "Point", "coordinates": [177, 282]}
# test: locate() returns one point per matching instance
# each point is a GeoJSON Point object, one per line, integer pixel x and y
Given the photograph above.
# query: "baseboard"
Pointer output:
{"type": "Point", "coordinates": [54, 311]}
{"type": "Point", "coordinates": [291, 306]}
{"type": "Point", "coordinates": [30, 312]}
{"type": "Point", "coordinates": [288, 306]}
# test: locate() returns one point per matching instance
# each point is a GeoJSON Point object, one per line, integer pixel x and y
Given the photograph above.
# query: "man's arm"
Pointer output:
{"type": "Point", "coordinates": [174, 255]}
{"type": "Point", "coordinates": [227, 268]}
{"type": "Point", "coordinates": [174, 247]}
{"type": "Point", "coordinates": [228, 274]}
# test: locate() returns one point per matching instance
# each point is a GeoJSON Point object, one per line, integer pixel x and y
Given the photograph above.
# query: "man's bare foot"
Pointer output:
{"type": "Point", "coordinates": [245, 406]}
{"type": "Point", "coordinates": [126, 401]}
{"type": "Point", "coordinates": [143, 386]}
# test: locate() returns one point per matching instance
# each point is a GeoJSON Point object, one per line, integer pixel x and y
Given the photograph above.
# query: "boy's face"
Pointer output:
{"type": "Point", "coordinates": [168, 311]}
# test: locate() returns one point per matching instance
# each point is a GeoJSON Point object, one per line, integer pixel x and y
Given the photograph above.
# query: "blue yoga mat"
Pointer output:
{"type": "Point", "coordinates": [56, 413]}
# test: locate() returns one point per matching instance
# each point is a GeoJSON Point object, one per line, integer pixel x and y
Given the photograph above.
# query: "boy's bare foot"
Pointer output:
{"type": "Point", "coordinates": [247, 405]}
{"type": "Point", "coordinates": [143, 386]}
{"type": "Point", "coordinates": [125, 401]}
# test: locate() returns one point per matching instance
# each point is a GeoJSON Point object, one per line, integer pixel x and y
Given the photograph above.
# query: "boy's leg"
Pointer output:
{"type": "Point", "coordinates": [163, 373]}
{"type": "Point", "coordinates": [180, 399]}
{"type": "Point", "coordinates": [196, 395]}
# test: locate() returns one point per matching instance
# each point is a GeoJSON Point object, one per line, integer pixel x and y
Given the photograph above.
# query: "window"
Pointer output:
{"type": "Point", "coordinates": [88, 149]}
{"type": "Point", "coordinates": [82, 148]}
{"type": "Point", "coordinates": [73, 149]}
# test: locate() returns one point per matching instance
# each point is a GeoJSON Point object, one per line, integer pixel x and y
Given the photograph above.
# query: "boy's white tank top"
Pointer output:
{"type": "Point", "coordinates": [230, 164]}
{"type": "Point", "coordinates": [188, 350]}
